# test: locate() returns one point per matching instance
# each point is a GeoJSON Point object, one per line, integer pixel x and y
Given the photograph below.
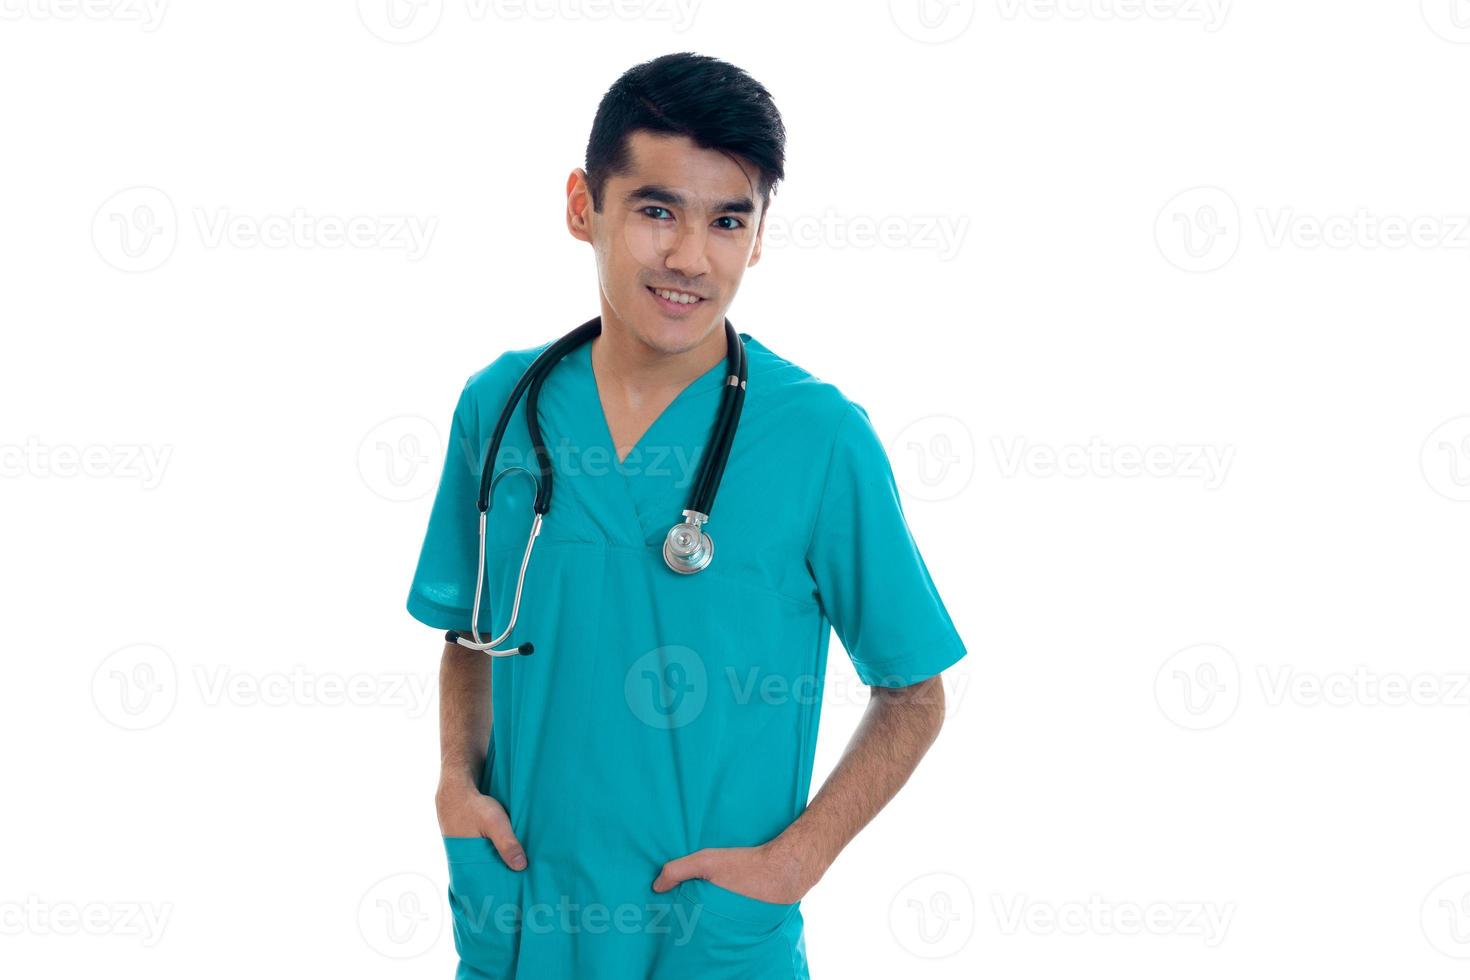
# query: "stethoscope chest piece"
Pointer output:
{"type": "Point", "coordinates": [687, 548]}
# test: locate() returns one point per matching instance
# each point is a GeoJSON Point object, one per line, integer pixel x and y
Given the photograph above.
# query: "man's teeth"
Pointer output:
{"type": "Point", "coordinates": [677, 297]}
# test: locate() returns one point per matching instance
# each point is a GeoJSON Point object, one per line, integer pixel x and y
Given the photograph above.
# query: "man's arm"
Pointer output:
{"type": "Point", "coordinates": [897, 728]}
{"type": "Point", "coordinates": [464, 731]}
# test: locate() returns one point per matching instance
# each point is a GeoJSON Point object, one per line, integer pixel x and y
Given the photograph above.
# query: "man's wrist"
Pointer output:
{"type": "Point", "coordinates": [457, 779]}
{"type": "Point", "coordinates": [798, 858]}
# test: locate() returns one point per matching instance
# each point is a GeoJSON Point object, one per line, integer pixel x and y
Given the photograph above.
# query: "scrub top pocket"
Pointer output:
{"type": "Point", "coordinates": [733, 937]}
{"type": "Point", "coordinates": [485, 898]}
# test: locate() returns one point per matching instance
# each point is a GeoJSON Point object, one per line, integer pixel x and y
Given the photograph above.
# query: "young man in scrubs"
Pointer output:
{"type": "Point", "coordinates": [630, 801]}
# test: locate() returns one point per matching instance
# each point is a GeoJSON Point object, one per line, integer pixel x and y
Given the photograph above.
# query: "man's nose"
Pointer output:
{"type": "Point", "coordinates": [687, 257]}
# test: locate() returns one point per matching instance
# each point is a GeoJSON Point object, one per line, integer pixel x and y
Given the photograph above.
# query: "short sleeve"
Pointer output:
{"type": "Point", "coordinates": [443, 588]}
{"type": "Point", "coordinates": [871, 580]}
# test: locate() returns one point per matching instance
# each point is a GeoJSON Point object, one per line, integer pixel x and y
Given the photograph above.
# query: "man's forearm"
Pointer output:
{"type": "Point", "coordinates": [896, 730]}
{"type": "Point", "coordinates": [464, 713]}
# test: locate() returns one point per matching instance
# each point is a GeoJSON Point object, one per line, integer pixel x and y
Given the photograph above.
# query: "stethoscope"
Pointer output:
{"type": "Point", "coordinates": [688, 548]}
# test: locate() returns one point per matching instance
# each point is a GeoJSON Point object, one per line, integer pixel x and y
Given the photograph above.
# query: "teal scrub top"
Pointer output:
{"type": "Point", "coordinates": [663, 713]}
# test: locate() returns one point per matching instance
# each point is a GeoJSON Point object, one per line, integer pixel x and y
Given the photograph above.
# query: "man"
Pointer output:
{"type": "Point", "coordinates": [630, 800]}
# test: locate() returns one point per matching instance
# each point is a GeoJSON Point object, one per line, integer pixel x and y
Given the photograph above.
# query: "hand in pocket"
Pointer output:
{"type": "Point", "coordinates": [466, 812]}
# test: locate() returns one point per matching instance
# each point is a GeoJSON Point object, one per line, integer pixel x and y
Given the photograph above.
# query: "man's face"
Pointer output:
{"type": "Point", "coordinates": [684, 219]}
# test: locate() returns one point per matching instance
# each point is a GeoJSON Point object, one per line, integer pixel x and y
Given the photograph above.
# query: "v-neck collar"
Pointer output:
{"type": "Point", "coordinates": [712, 378]}
{"type": "Point", "coordinates": [653, 483]}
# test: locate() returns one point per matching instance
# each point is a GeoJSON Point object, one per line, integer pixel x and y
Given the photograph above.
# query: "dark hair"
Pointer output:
{"type": "Point", "coordinates": [715, 104]}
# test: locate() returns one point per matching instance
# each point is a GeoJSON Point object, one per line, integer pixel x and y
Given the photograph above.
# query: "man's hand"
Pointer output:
{"type": "Point", "coordinates": [771, 872]}
{"type": "Point", "coordinates": [466, 812]}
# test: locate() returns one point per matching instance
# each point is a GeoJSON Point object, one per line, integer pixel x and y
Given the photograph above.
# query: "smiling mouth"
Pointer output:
{"type": "Point", "coordinates": [674, 297]}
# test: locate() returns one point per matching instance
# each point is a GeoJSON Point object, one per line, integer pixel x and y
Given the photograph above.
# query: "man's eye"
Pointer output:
{"type": "Point", "coordinates": [737, 223]}
{"type": "Point", "coordinates": [655, 207]}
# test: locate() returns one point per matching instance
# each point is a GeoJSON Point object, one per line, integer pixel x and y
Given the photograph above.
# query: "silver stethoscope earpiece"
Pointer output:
{"type": "Point", "coordinates": [687, 548]}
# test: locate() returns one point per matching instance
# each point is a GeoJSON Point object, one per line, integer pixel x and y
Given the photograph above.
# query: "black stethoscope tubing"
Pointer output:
{"type": "Point", "coordinates": [712, 467]}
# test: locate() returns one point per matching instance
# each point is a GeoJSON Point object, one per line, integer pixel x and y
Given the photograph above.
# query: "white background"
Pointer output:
{"type": "Point", "coordinates": [1225, 698]}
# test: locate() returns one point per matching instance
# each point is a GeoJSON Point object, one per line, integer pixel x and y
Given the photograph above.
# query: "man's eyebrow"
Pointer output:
{"type": "Point", "coordinates": [665, 195]}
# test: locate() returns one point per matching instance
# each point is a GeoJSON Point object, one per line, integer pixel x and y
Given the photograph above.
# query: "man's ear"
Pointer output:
{"type": "Point", "coordinates": [579, 206]}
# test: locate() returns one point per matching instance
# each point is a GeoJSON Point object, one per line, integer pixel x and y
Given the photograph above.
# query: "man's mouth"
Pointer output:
{"type": "Point", "coordinates": [675, 297]}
